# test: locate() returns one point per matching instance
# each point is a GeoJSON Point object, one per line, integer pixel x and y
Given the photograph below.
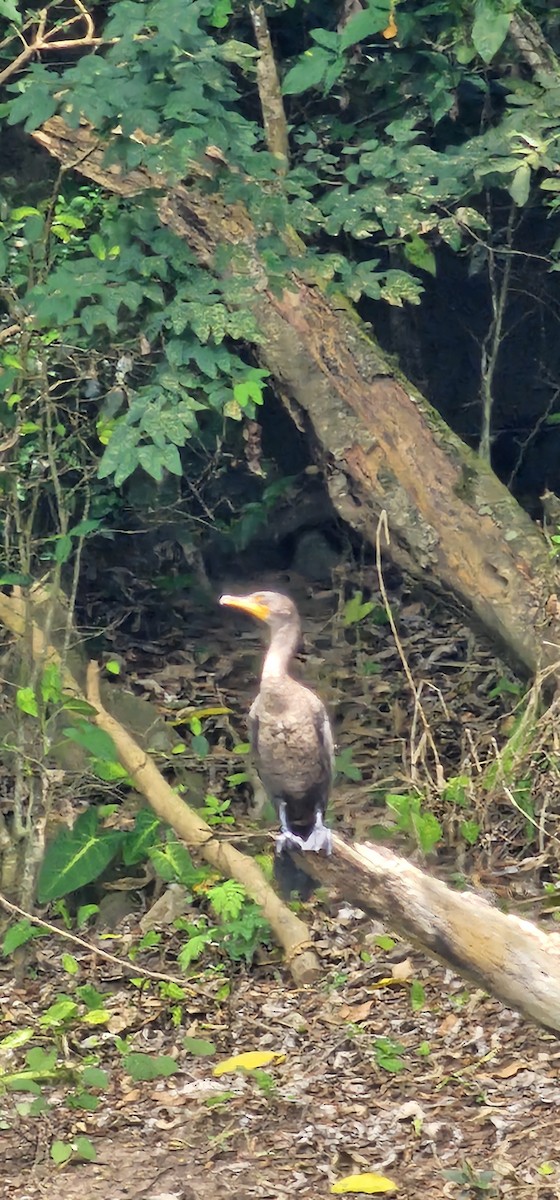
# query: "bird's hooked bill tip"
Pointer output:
{"type": "Point", "coordinates": [248, 604]}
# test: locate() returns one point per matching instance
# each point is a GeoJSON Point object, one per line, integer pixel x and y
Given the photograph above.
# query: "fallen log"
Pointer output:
{"type": "Point", "coordinates": [511, 958]}
{"type": "Point", "coordinates": [16, 613]}
{"type": "Point", "coordinates": [382, 446]}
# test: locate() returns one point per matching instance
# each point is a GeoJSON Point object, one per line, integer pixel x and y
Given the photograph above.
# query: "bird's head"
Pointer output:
{"type": "Point", "coordinates": [271, 607]}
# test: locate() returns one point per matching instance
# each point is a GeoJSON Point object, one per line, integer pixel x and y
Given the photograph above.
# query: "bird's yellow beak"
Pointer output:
{"type": "Point", "coordinates": [250, 604]}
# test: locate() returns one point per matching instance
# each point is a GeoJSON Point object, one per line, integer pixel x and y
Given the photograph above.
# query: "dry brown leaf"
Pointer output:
{"type": "Point", "coordinates": [509, 1070]}
{"type": "Point", "coordinates": [402, 971]}
{"type": "Point", "coordinates": [356, 1012]}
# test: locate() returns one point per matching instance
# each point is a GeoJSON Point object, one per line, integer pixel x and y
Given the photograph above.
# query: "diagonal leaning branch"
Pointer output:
{"type": "Point", "coordinates": [290, 932]}
{"type": "Point", "coordinates": [382, 446]}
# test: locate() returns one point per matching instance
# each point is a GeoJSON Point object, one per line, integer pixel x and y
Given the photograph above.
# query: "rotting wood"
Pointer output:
{"type": "Point", "coordinates": [511, 958]}
{"type": "Point", "coordinates": [453, 524]}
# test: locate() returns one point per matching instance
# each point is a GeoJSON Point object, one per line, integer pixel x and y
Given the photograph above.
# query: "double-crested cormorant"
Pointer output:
{"type": "Point", "coordinates": [289, 730]}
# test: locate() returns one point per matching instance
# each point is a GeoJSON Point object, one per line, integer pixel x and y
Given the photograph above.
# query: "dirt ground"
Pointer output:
{"type": "Point", "coordinates": [389, 1064]}
{"type": "Point", "coordinates": [476, 1090]}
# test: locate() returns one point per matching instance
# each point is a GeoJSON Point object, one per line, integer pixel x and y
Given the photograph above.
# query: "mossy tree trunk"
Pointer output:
{"type": "Point", "coordinates": [383, 448]}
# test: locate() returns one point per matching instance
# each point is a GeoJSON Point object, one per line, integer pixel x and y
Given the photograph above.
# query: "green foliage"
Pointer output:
{"type": "Point", "coordinates": [80, 1149]}
{"type": "Point", "coordinates": [174, 864]}
{"type": "Point", "coordinates": [417, 996]}
{"type": "Point", "coordinates": [227, 899]}
{"type": "Point", "coordinates": [18, 935]}
{"type": "Point", "coordinates": [472, 1183]}
{"type": "Point", "coordinates": [216, 813]}
{"type": "Point", "coordinates": [199, 1047]}
{"type": "Point", "coordinates": [243, 934]}
{"type": "Point", "coordinates": [345, 766]}
{"type": "Point", "coordinates": [132, 355]}
{"type": "Point", "coordinates": [144, 1067]}
{"type": "Point", "coordinates": [423, 826]}
{"type": "Point", "coordinates": [389, 1055]}
{"type": "Point", "coordinates": [77, 856]}
{"type": "Point", "coordinates": [356, 609]}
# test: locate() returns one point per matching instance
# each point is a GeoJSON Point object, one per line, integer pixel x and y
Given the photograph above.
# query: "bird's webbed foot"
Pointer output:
{"type": "Point", "coordinates": [319, 841]}
{"type": "Point", "coordinates": [288, 841]}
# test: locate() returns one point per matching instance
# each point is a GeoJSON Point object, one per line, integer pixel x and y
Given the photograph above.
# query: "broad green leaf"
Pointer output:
{"type": "Point", "coordinates": [121, 456]}
{"type": "Point", "coordinates": [15, 577]}
{"type": "Point", "coordinates": [520, 185]}
{"type": "Point", "coordinates": [151, 459]}
{"type": "Point", "coordinates": [417, 996]}
{"type": "Point", "coordinates": [60, 1152]}
{"type": "Point", "coordinates": [221, 12]}
{"type": "Point", "coordinates": [199, 1047]}
{"type": "Point", "coordinates": [63, 548]}
{"type": "Point", "coordinates": [16, 1039]}
{"type": "Point", "coordinates": [97, 247]}
{"type": "Point", "coordinates": [85, 1149]}
{"type": "Point", "coordinates": [248, 390]}
{"type": "Point", "coordinates": [419, 254]}
{"type": "Point", "coordinates": [490, 28]}
{"type": "Point", "coordinates": [172, 460]}
{"type": "Point", "coordinates": [308, 72]}
{"type": "Point", "coordinates": [58, 1014]}
{"type": "Point", "coordinates": [140, 840]}
{"type": "Point", "coordinates": [94, 1077]}
{"type": "Point", "coordinates": [69, 964]}
{"type": "Point", "coordinates": [144, 1067]}
{"type": "Point", "coordinates": [97, 1016]}
{"type": "Point", "coordinates": [373, 19]}
{"type": "Point", "coordinates": [77, 856]}
{"type": "Point", "coordinates": [26, 701]}
{"type": "Point", "coordinates": [51, 684]}
{"type": "Point", "coordinates": [238, 52]}
{"type": "Point", "coordinates": [18, 935]}
{"type": "Point", "coordinates": [84, 527]}
{"type": "Point", "coordinates": [174, 863]}
{"type": "Point", "coordinates": [96, 741]}
{"type": "Point", "coordinates": [75, 704]}
{"type": "Point", "coordinates": [9, 12]}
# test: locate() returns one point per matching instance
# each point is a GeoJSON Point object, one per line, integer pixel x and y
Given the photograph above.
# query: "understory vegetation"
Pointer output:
{"type": "Point", "coordinates": [402, 157]}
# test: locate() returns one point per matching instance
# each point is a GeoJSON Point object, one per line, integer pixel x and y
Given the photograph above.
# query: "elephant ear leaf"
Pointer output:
{"type": "Point", "coordinates": [77, 856]}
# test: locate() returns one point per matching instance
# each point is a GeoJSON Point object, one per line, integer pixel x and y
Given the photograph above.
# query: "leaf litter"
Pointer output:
{"type": "Point", "coordinates": [443, 1092]}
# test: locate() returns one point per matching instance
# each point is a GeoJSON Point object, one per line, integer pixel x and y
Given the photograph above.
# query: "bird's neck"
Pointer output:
{"type": "Point", "coordinates": [280, 652]}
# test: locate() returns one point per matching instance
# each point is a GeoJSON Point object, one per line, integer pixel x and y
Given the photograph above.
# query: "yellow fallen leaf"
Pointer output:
{"type": "Point", "coordinates": [368, 1184]}
{"type": "Point", "coordinates": [387, 981]}
{"type": "Point", "coordinates": [391, 29]}
{"type": "Point", "coordinates": [248, 1061]}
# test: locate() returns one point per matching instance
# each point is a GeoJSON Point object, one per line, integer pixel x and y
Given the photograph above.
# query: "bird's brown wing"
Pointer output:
{"type": "Point", "coordinates": [326, 743]}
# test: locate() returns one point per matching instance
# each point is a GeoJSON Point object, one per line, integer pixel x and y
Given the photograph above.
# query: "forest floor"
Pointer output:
{"type": "Point", "coordinates": [391, 1064]}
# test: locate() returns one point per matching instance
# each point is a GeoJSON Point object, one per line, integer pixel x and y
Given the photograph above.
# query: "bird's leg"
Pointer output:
{"type": "Point", "coordinates": [286, 838]}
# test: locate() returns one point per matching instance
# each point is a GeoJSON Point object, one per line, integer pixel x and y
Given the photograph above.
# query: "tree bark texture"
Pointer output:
{"type": "Point", "coordinates": [452, 524]}
{"type": "Point", "coordinates": [507, 956]}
